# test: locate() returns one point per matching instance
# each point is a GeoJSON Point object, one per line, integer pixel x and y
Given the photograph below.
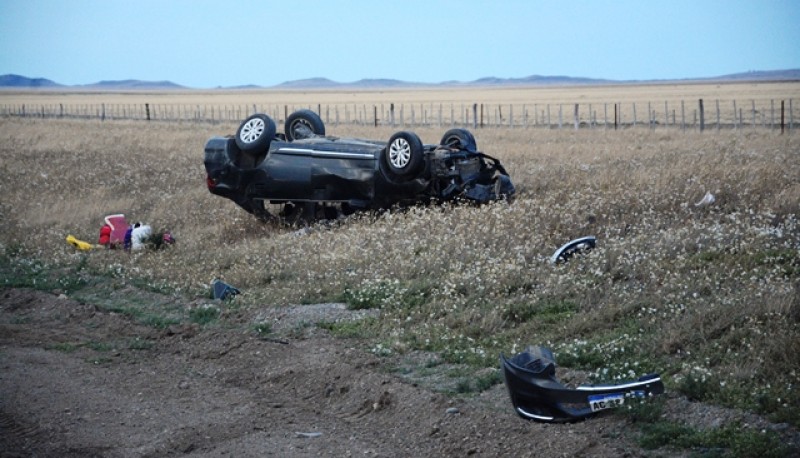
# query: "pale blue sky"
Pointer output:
{"type": "Point", "coordinates": [209, 43]}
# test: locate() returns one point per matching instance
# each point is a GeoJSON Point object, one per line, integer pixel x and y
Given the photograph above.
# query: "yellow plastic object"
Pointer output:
{"type": "Point", "coordinates": [79, 244]}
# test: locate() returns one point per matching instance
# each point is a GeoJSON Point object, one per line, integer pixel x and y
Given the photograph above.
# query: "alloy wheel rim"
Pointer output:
{"type": "Point", "coordinates": [252, 130]}
{"type": "Point", "coordinates": [400, 153]}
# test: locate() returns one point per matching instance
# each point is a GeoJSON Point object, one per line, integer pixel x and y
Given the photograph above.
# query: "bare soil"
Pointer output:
{"type": "Point", "coordinates": [77, 380]}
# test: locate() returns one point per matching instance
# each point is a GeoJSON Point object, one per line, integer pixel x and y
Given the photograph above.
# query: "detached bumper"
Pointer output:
{"type": "Point", "coordinates": [537, 395]}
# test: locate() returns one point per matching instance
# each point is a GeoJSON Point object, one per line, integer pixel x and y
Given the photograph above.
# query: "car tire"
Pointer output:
{"type": "Point", "coordinates": [299, 123]}
{"type": "Point", "coordinates": [459, 138]}
{"type": "Point", "coordinates": [403, 155]}
{"type": "Point", "coordinates": [255, 133]}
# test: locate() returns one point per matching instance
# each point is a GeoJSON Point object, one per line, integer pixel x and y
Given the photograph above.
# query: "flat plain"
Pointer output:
{"type": "Point", "coordinates": [708, 295]}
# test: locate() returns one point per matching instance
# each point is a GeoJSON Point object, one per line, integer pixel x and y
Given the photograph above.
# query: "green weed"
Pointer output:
{"type": "Point", "coordinates": [204, 315]}
{"type": "Point", "coordinates": [730, 440]}
{"type": "Point", "coordinates": [262, 329]}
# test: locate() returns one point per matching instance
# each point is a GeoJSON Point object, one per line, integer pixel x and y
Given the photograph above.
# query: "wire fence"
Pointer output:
{"type": "Point", "coordinates": [685, 115]}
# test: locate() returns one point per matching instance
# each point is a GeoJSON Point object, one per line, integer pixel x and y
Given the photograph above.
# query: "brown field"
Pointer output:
{"type": "Point", "coordinates": [527, 105]}
{"type": "Point", "coordinates": [644, 93]}
{"type": "Point", "coordinates": [708, 296]}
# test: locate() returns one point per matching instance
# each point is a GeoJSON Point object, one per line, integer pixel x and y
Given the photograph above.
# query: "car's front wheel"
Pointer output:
{"type": "Point", "coordinates": [404, 155]}
{"type": "Point", "coordinates": [255, 133]}
{"type": "Point", "coordinates": [459, 138]}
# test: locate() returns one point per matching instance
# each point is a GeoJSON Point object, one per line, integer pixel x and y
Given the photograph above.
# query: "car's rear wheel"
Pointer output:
{"type": "Point", "coordinates": [404, 155]}
{"type": "Point", "coordinates": [303, 124]}
{"type": "Point", "coordinates": [255, 133]}
{"type": "Point", "coordinates": [283, 213]}
{"type": "Point", "coordinates": [459, 138]}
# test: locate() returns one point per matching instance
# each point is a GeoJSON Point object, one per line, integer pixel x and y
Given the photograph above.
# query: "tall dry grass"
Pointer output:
{"type": "Point", "coordinates": [707, 295]}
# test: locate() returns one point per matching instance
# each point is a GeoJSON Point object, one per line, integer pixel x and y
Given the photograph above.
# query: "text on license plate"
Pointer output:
{"type": "Point", "coordinates": [606, 401]}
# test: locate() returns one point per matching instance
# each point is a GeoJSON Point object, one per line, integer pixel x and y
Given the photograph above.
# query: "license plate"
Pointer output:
{"type": "Point", "coordinates": [606, 401]}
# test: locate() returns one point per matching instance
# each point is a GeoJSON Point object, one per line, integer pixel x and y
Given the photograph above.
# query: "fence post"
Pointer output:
{"type": "Point", "coordinates": [475, 115]}
{"type": "Point", "coordinates": [771, 113]}
{"type": "Point", "coordinates": [791, 116]}
{"type": "Point", "coordinates": [548, 116]}
{"type": "Point", "coordinates": [147, 110]}
{"type": "Point", "coordinates": [634, 114]}
{"type": "Point", "coordinates": [683, 117]}
{"type": "Point", "coordinates": [560, 116]}
{"type": "Point", "coordinates": [576, 116]}
{"type": "Point", "coordinates": [735, 124]}
{"type": "Point", "coordinates": [717, 115]}
{"type": "Point", "coordinates": [753, 103]}
{"type": "Point", "coordinates": [782, 119]}
{"type": "Point", "coordinates": [525, 115]}
{"type": "Point", "coordinates": [702, 117]}
{"type": "Point", "coordinates": [615, 116]}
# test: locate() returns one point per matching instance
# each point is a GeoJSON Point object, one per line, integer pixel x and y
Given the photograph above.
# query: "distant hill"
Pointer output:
{"type": "Point", "coordinates": [773, 75]}
{"type": "Point", "coordinates": [25, 82]}
{"type": "Point", "coordinates": [325, 83]}
{"type": "Point", "coordinates": [309, 83]}
{"type": "Point", "coordinates": [534, 80]}
{"type": "Point", "coordinates": [22, 82]}
{"type": "Point", "coordinates": [133, 84]}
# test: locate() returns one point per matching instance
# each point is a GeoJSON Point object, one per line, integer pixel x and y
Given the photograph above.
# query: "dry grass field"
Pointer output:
{"type": "Point", "coordinates": [706, 295]}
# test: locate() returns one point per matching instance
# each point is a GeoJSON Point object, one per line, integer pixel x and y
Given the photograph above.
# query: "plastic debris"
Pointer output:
{"type": "Point", "coordinates": [708, 199]}
{"type": "Point", "coordinates": [222, 290]}
{"type": "Point", "coordinates": [537, 395]}
{"type": "Point", "coordinates": [572, 247]}
{"type": "Point", "coordinates": [80, 244]}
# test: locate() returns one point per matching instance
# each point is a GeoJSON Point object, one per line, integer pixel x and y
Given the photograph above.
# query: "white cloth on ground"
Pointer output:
{"type": "Point", "coordinates": [139, 236]}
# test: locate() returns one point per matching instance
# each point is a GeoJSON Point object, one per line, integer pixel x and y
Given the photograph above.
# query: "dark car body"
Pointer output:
{"type": "Point", "coordinates": [313, 175]}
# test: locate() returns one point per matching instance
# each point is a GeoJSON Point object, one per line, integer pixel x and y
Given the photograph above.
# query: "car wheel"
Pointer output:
{"type": "Point", "coordinates": [255, 133]}
{"type": "Point", "coordinates": [403, 155]}
{"type": "Point", "coordinates": [459, 138]}
{"type": "Point", "coordinates": [303, 124]}
{"type": "Point", "coordinates": [259, 210]}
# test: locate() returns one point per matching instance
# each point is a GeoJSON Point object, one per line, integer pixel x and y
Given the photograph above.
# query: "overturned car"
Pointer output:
{"type": "Point", "coordinates": [303, 175]}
